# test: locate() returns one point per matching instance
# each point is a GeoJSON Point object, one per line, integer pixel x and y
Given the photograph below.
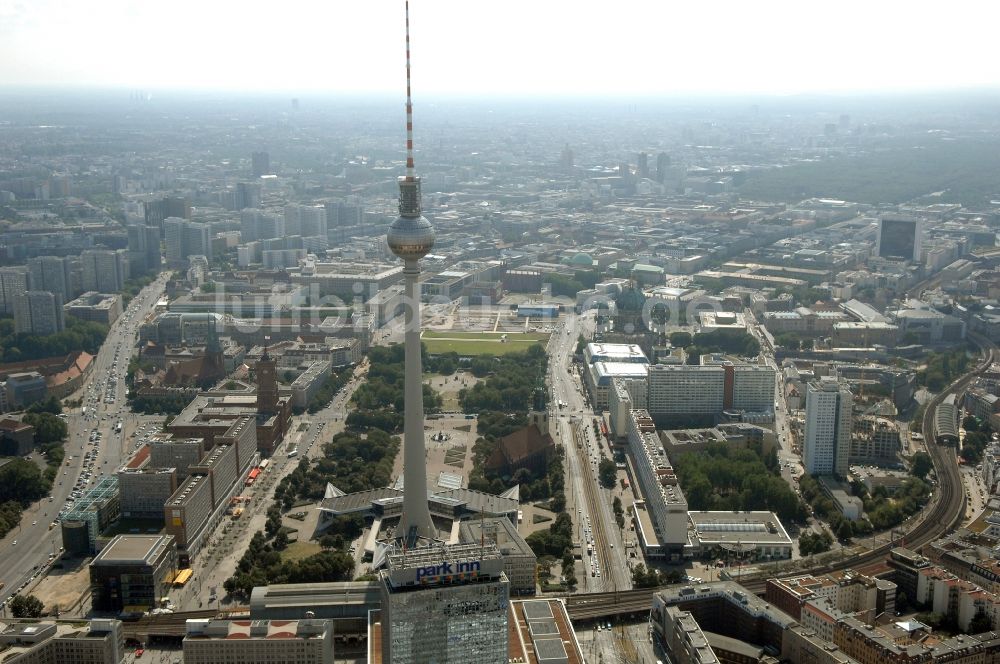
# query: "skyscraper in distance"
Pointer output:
{"type": "Point", "coordinates": [900, 237]}
{"type": "Point", "coordinates": [260, 163]}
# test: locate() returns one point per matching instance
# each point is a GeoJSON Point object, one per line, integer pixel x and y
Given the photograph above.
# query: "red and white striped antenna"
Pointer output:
{"type": "Point", "coordinates": [409, 103]}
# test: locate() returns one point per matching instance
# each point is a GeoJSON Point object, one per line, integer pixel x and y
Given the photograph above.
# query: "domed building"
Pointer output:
{"type": "Point", "coordinates": [628, 311]}
{"type": "Point", "coordinates": [582, 260]}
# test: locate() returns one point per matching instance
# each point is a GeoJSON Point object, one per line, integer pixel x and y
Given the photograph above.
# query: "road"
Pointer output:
{"type": "Point", "coordinates": [218, 560]}
{"type": "Point", "coordinates": [591, 509]}
{"type": "Point", "coordinates": [103, 392]}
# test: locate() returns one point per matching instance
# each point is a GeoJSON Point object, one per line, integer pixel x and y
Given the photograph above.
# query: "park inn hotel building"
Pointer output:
{"type": "Point", "coordinates": [443, 603]}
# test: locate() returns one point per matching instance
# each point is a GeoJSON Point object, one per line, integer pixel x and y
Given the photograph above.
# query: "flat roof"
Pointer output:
{"type": "Point", "coordinates": [745, 527]}
{"type": "Point", "coordinates": [137, 549]}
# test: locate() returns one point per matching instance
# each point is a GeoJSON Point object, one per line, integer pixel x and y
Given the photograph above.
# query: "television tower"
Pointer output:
{"type": "Point", "coordinates": [411, 237]}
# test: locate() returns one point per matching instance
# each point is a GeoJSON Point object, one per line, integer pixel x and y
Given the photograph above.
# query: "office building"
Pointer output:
{"type": "Point", "coordinates": [156, 211]}
{"type": "Point", "coordinates": [519, 561]}
{"type": "Point", "coordinates": [260, 163]}
{"type": "Point", "coordinates": [186, 238]}
{"type": "Point", "coordinates": [13, 282]}
{"type": "Point", "coordinates": [308, 641]}
{"type": "Point", "coordinates": [51, 273]}
{"type": "Point", "coordinates": [133, 572]}
{"type": "Point", "coordinates": [98, 307]}
{"type": "Point", "coordinates": [828, 427]}
{"type": "Point", "coordinates": [24, 388]}
{"type": "Point", "coordinates": [542, 633]}
{"type": "Point", "coordinates": [144, 248]}
{"type": "Point", "coordinates": [104, 270]}
{"type": "Point", "coordinates": [167, 451]}
{"type": "Point", "coordinates": [305, 220]}
{"type": "Point", "coordinates": [685, 393]}
{"type": "Point", "coordinates": [259, 225]}
{"type": "Point", "coordinates": [65, 642]}
{"type": "Point", "coordinates": [38, 312]}
{"type": "Point", "coordinates": [662, 522]}
{"type": "Point", "coordinates": [188, 509]}
{"type": "Point", "coordinates": [91, 515]}
{"type": "Point", "coordinates": [899, 237]}
{"type": "Point", "coordinates": [444, 604]}
{"type": "Point", "coordinates": [681, 394]}
{"type": "Point", "coordinates": [684, 639]}
{"type": "Point", "coordinates": [145, 490]}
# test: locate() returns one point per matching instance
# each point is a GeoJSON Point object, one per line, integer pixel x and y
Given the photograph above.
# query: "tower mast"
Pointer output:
{"type": "Point", "coordinates": [411, 237]}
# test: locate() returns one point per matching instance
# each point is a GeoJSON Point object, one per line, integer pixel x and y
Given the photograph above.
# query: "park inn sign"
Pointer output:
{"type": "Point", "coordinates": [448, 570]}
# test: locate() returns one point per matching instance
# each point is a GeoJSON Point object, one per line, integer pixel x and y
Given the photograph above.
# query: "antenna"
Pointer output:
{"type": "Point", "coordinates": [409, 102]}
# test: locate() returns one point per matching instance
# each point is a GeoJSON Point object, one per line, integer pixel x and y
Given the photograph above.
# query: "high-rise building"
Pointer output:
{"type": "Point", "coordinates": [50, 273]}
{"type": "Point", "coordinates": [186, 238]}
{"type": "Point", "coordinates": [157, 211]}
{"type": "Point", "coordinates": [247, 195]}
{"type": "Point", "coordinates": [261, 163]}
{"type": "Point", "coordinates": [13, 282]}
{"type": "Point", "coordinates": [900, 237]}
{"type": "Point", "coordinates": [144, 248]}
{"type": "Point", "coordinates": [260, 225]}
{"type": "Point", "coordinates": [681, 394]}
{"type": "Point", "coordinates": [445, 604]}
{"type": "Point", "coordinates": [643, 166]}
{"type": "Point", "coordinates": [828, 427]}
{"type": "Point", "coordinates": [104, 270]}
{"type": "Point", "coordinates": [662, 164]}
{"type": "Point", "coordinates": [38, 312]}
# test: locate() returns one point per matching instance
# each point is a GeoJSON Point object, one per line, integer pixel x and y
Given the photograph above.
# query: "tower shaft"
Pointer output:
{"type": "Point", "coordinates": [416, 518]}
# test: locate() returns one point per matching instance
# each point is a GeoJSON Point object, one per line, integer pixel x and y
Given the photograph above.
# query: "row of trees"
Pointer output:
{"type": "Point", "coordinates": [331, 386]}
{"type": "Point", "coordinates": [78, 335]}
{"type": "Point", "coordinates": [722, 478]}
{"type": "Point", "coordinates": [379, 400]}
{"type": "Point", "coordinates": [350, 462]}
{"type": "Point", "coordinates": [262, 565]}
{"type": "Point", "coordinates": [942, 368]}
{"type": "Point", "coordinates": [650, 577]}
{"type": "Point", "coordinates": [811, 543]}
{"type": "Point", "coordinates": [10, 516]}
{"type": "Point", "coordinates": [977, 437]}
{"type": "Point", "coordinates": [735, 342]}
{"type": "Point", "coordinates": [516, 384]}
{"type": "Point", "coordinates": [22, 482]}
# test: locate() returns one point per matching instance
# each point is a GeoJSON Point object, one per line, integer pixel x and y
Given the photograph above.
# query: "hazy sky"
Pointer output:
{"type": "Point", "coordinates": [659, 47]}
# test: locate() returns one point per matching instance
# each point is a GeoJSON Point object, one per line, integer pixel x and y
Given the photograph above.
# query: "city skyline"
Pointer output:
{"type": "Point", "coordinates": [561, 48]}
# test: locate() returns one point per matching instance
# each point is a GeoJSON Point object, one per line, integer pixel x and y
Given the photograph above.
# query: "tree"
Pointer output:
{"type": "Point", "coordinates": [607, 472]}
{"type": "Point", "coordinates": [26, 606]}
{"type": "Point", "coordinates": [921, 465]}
{"type": "Point", "coordinates": [50, 405]}
{"type": "Point", "coordinates": [844, 531]}
{"type": "Point", "coordinates": [681, 339]}
{"type": "Point", "coordinates": [48, 427]}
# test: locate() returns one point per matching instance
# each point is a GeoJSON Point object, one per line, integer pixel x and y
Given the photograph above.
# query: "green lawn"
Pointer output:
{"type": "Point", "coordinates": [534, 336]}
{"type": "Point", "coordinates": [300, 550]}
{"type": "Point", "coordinates": [480, 343]}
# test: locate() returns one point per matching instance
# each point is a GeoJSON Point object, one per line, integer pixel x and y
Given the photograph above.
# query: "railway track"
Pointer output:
{"type": "Point", "coordinates": [944, 514]}
{"type": "Point", "coordinates": [174, 624]}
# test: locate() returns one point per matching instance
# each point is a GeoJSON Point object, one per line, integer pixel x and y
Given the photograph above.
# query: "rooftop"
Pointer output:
{"type": "Point", "coordinates": [134, 549]}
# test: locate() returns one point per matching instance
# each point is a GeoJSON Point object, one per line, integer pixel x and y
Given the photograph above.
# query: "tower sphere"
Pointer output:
{"type": "Point", "coordinates": [410, 238]}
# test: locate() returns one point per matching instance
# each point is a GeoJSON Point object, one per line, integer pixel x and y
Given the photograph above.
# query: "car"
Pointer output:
{"type": "Point", "coordinates": [34, 523]}
{"type": "Point", "coordinates": [15, 542]}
